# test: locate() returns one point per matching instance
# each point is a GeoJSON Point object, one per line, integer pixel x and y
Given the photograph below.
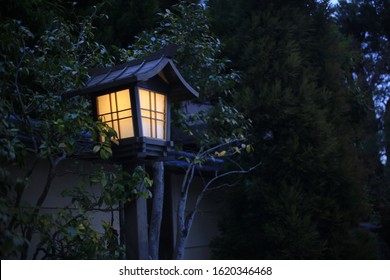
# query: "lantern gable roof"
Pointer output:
{"type": "Point", "coordinates": [157, 64]}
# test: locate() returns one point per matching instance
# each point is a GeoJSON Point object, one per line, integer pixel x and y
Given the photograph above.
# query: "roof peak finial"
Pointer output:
{"type": "Point", "coordinates": [168, 51]}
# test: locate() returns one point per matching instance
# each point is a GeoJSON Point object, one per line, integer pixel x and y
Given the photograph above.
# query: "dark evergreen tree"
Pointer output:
{"type": "Point", "coordinates": [124, 19]}
{"type": "Point", "coordinates": [308, 197]}
{"type": "Point", "coordinates": [37, 14]}
{"type": "Point", "coordinates": [367, 24]}
{"type": "Point", "coordinates": [118, 23]}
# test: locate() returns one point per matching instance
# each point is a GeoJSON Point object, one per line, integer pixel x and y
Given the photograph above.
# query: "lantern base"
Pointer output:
{"type": "Point", "coordinates": [141, 148]}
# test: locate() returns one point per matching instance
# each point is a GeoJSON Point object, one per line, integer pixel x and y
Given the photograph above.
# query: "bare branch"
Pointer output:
{"type": "Point", "coordinates": [222, 186]}
{"type": "Point", "coordinates": [61, 158]}
{"type": "Point", "coordinates": [216, 148]}
{"type": "Point", "coordinates": [235, 163]}
{"type": "Point", "coordinates": [206, 187]}
{"type": "Point", "coordinates": [231, 173]}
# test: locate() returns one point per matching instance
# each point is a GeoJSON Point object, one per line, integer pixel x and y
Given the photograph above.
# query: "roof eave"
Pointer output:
{"type": "Point", "coordinates": [181, 90]}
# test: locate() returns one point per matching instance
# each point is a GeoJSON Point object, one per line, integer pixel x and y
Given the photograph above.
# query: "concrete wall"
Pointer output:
{"type": "Point", "coordinates": [205, 226]}
{"type": "Point", "coordinates": [70, 175]}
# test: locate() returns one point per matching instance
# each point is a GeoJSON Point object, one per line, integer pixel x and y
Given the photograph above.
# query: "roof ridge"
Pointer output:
{"type": "Point", "coordinates": [168, 52]}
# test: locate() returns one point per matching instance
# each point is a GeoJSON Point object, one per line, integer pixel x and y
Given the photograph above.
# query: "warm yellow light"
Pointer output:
{"type": "Point", "coordinates": [153, 113]}
{"type": "Point", "coordinates": [115, 109]}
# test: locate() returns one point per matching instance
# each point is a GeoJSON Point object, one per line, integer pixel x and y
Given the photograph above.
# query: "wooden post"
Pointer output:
{"type": "Point", "coordinates": [136, 230]}
{"type": "Point", "coordinates": [157, 209]}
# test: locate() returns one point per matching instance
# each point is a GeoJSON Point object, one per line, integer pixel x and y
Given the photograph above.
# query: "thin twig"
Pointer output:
{"type": "Point", "coordinates": [206, 187]}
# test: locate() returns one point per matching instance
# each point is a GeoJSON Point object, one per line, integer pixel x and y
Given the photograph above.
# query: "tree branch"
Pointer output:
{"type": "Point", "coordinates": [206, 188]}
{"type": "Point", "coordinates": [215, 148]}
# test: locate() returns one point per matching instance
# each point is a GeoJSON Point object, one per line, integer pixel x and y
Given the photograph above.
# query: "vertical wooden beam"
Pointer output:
{"type": "Point", "coordinates": [167, 238]}
{"type": "Point", "coordinates": [136, 230]}
{"type": "Point", "coordinates": [168, 119]}
{"type": "Point", "coordinates": [157, 209]}
{"type": "Point", "coordinates": [136, 110]}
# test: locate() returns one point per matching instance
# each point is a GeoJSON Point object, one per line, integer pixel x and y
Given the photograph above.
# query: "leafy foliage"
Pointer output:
{"type": "Point", "coordinates": [71, 234]}
{"type": "Point", "coordinates": [38, 124]}
{"type": "Point", "coordinates": [199, 57]}
{"type": "Point", "coordinates": [199, 52]}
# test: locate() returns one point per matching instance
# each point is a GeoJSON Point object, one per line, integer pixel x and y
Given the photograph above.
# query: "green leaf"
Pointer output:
{"type": "Point", "coordinates": [97, 148]}
{"type": "Point", "coordinates": [62, 145]}
{"type": "Point", "coordinates": [104, 154]}
{"type": "Point", "coordinates": [236, 149]}
{"type": "Point", "coordinates": [108, 149]}
{"type": "Point", "coordinates": [72, 231]}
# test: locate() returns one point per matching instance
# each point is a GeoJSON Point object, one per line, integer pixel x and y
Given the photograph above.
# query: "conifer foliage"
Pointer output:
{"type": "Point", "coordinates": [367, 24]}
{"type": "Point", "coordinates": [308, 197]}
